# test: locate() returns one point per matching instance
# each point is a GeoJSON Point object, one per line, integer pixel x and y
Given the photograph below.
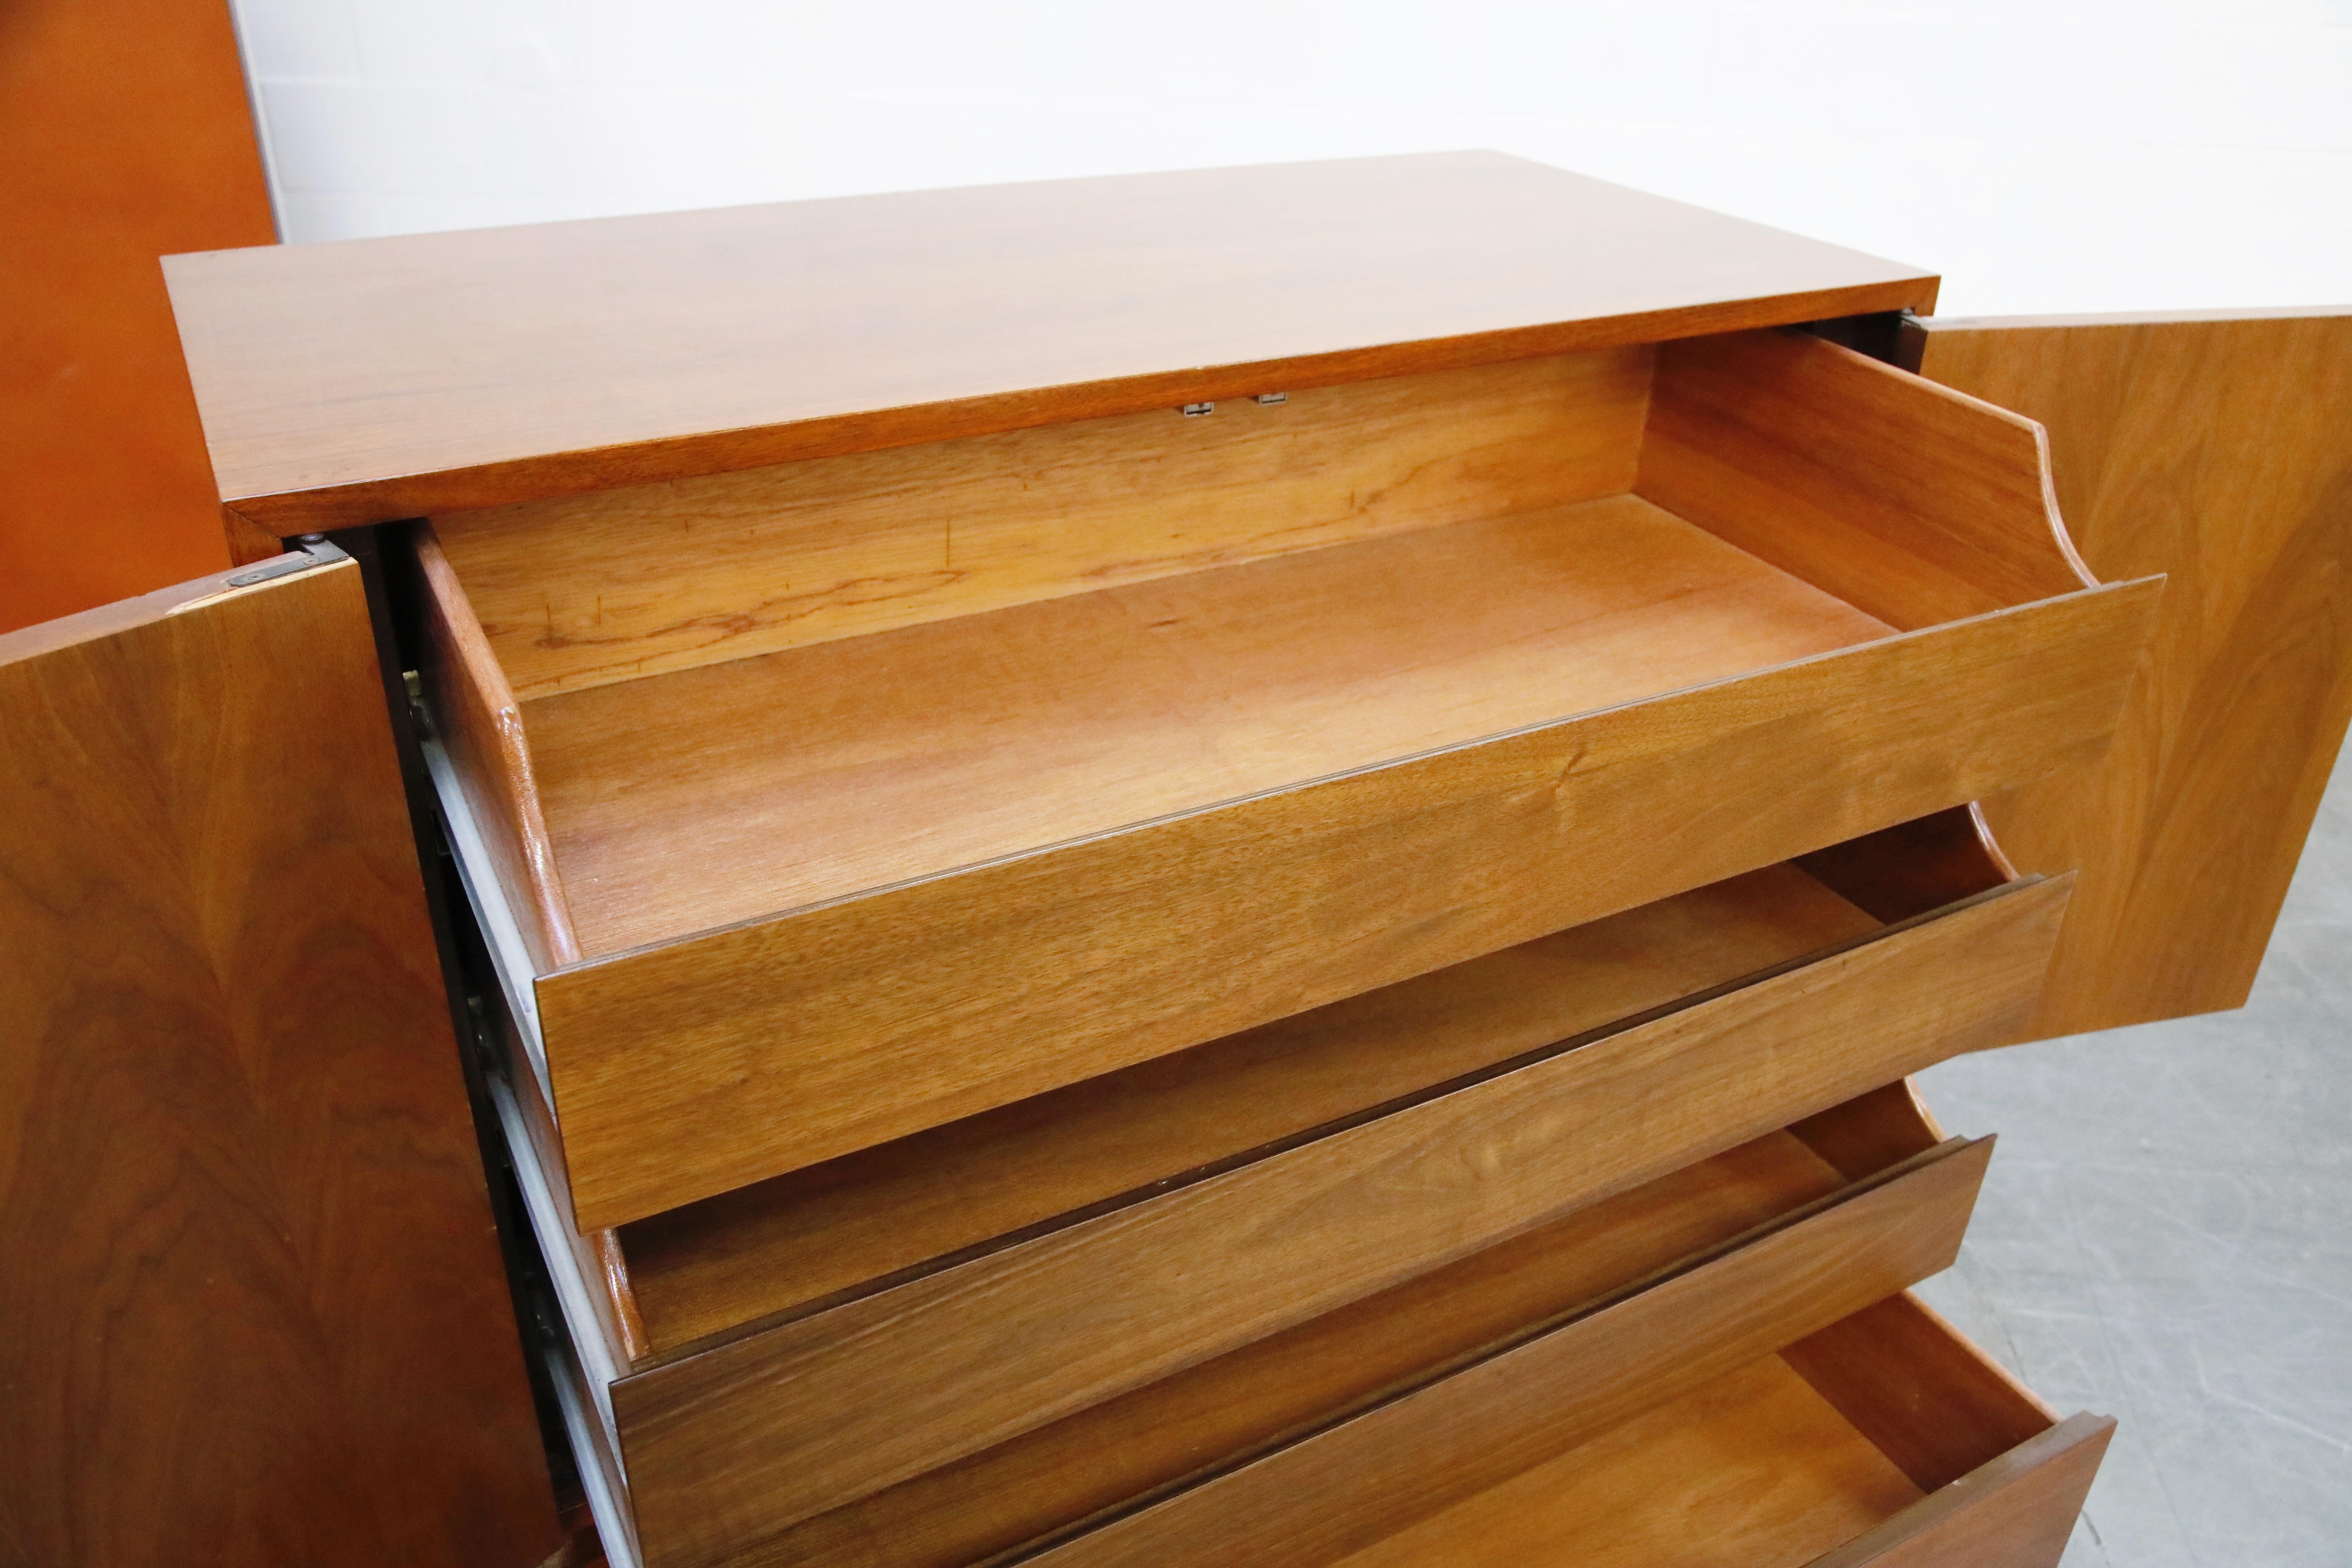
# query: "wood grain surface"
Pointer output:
{"type": "Point", "coordinates": [1908, 500]}
{"type": "Point", "coordinates": [1871, 1131]}
{"type": "Point", "coordinates": [2219, 450]}
{"type": "Point", "coordinates": [408, 376]}
{"type": "Point", "coordinates": [2017, 1510]}
{"type": "Point", "coordinates": [124, 133]}
{"type": "Point", "coordinates": [251, 1307]}
{"type": "Point", "coordinates": [1230, 1408]}
{"type": "Point", "coordinates": [1752, 1471]}
{"type": "Point", "coordinates": [748, 1438]}
{"type": "Point", "coordinates": [702, 797]}
{"type": "Point", "coordinates": [1913, 866]}
{"type": "Point", "coordinates": [686, 1070]}
{"type": "Point", "coordinates": [586, 590]}
{"type": "Point", "coordinates": [480, 726]}
{"type": "Point", "coordinates": [859, 1220]}
{"type": "Point", "coordinates": [1885, 1366]}
{"type": "Point", "coordinates": [1350, 1486]}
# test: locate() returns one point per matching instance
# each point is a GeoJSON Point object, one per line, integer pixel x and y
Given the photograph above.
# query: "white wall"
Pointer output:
{"type": "Point", "coordinates": [2044, 155]}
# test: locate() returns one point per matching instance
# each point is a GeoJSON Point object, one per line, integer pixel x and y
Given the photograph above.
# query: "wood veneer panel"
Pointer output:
{"type": "Point", "coordinates": [1350, 1486]}
{"type": "Point", "coordinates": [495, 366]}
{"type": "Point", "coordinates": [1911, 501]}
{"type": "Point", "coordinates": [744, 1256]}
{"type": "Point", "coordinates": [586, 590]}
{"type": "Point", "coordinates": [741, 1440]}
{"type": "Point", "coordinates": [728, 792]}
{"type": "Point", "coordinates": [2219, 450]}
{"type": "Point", "coordinates": [1226, 1409]}
{"type": "Point", "coordinates": [689, 1069]}
{"type": "Point", "coordinates": [2017, 1510]}
{"type": "Point", "coordinates": [251, 1307]}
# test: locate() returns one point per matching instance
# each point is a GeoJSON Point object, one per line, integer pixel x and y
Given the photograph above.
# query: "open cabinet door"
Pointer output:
{"type": "Point", "coordinates": [252, 1308]}
{"type": "Point", "coordinates": [2216, 448]}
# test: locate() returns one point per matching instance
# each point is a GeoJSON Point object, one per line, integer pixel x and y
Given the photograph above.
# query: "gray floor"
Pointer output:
{"type": "Point", "coordinates": [2164, 1238]}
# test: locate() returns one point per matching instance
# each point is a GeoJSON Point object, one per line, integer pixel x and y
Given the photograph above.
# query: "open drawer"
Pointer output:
{"type": "Point", "coordinates": [1884, 1438]}
{"type": "Point", "coordinates": [775, 1353]}
{"type": "Point", "coordinates": [849, 797]}
{"type": "Point", "coordinates": [1648, 1293]}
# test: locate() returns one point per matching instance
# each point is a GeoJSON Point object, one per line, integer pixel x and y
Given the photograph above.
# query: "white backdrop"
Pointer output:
{"type": "Point", "coordinates": [2044, 155]}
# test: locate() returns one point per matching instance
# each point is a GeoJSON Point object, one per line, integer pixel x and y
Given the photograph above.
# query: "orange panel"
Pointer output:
{"type": "Point", "coordinates": [124, 135]}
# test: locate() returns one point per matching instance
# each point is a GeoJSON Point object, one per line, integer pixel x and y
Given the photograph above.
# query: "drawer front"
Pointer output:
{"type": "Point", "coordinates": [729, 1445]}
{"type": "Point", "coordinates": [686, 1069]}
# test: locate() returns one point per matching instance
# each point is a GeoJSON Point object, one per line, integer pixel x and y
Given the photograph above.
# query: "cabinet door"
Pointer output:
{"type": "Point", "coordinates": [2216, 448]}
{"type": "Point", "coordinates": [252, 1308]}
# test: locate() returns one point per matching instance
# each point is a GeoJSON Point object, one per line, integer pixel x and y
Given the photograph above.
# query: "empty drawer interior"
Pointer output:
{"type": "Point", "coordinates": [1827, 1444]}
{"type": "Point", "coordinates": [754, 692]}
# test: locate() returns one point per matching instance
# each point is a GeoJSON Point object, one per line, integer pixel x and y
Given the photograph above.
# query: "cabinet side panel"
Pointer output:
{"type": "Point", "coordinates": [251, 1306]}
{"type": "Point", "coordinates": [2220, 452]}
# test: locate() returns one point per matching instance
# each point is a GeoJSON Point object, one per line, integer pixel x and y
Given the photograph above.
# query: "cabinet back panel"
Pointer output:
{"type": "Point", "coordinates": [586, 590]}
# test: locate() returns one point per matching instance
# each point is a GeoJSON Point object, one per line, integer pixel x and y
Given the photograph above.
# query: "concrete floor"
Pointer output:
{"type": "Point", "coordinates": [2166, 1236]}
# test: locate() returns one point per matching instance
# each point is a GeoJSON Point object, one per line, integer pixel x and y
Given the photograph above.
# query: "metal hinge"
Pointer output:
{"type": "Point", "coordinates": [314, 551]}
{"type": "Point", "coordinates": [418, 714]}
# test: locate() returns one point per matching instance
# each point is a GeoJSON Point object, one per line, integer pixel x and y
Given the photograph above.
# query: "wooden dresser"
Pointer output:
{"type": "Point", "coordinates": [1242, 867]}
